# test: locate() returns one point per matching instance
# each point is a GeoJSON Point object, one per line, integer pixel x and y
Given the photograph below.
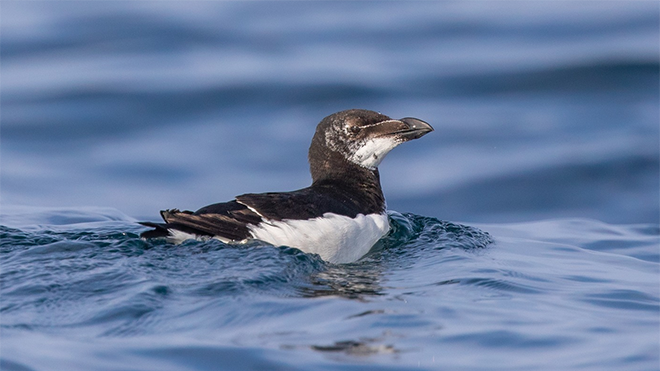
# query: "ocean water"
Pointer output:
{"type": "Point", "coordinates": [81, 291]}
{"type": "Point", "coordinates": [526, 227]}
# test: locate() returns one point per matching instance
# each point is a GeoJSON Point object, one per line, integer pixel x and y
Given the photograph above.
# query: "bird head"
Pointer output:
{"type": "Point", "coordinates": [361, 137]}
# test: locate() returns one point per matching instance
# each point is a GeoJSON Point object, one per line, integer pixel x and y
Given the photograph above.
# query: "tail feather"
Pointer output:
{"type": "Point", "coordinates": [160, 230]}
{"type": "Point", "coordinates": [163, 230]}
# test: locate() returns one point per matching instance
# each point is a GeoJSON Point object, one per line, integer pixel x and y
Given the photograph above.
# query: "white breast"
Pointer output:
{"type": "Point", "coordinates": [336, 238]}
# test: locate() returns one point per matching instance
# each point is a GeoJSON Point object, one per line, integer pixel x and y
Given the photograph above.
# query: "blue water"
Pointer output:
{"type": "Point", "coordinates": [528, 236]}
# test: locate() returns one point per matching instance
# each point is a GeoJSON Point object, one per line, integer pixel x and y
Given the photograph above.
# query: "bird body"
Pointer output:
{"type": "Point", "coordinates": [339, 217]}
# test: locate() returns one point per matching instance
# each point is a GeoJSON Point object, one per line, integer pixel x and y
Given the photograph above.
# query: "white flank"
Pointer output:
{"type": "Point", "coordinates": [176, 237]}
{"type": "Point", "coordinates": [336, 238]}
{"type": "Point", "coordinates": [372, 152]}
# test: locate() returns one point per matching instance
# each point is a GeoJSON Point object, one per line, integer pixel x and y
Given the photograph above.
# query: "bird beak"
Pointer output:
{"type": "Point", "coordinates": [416, 128]}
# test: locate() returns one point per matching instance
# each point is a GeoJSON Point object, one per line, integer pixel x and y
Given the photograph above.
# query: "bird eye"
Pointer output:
{"type": "Point", "coordinates": [351, 129]}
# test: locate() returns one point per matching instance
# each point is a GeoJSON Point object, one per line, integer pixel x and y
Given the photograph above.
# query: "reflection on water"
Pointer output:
{"type": "Point", "coordinates": [347, 282]}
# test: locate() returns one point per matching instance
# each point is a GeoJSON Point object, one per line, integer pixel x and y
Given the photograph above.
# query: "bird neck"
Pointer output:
{"type": "Point", "coordinates": [331, 170]}
{"type": "Point", "coordinates": [326, 164]}
{"type": "Point", "coordinates": [354, 176]}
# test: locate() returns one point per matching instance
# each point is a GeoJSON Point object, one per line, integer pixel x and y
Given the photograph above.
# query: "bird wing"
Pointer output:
{"type": "Point", "coordinates": [228, 220]}
{"type": "Point", "coordinates": [306, 203]}
{"type": "Point", "coordinates": [231, 219]}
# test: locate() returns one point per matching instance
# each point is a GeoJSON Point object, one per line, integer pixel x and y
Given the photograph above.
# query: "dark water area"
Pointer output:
{"type": "Point", "coordinates": [528, 232]}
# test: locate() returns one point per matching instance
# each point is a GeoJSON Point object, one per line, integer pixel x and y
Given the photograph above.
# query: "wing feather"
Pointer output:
{"type": "Point", "coordinates": [228, 220]}
{"type": "Point", "coordinates": [306, 203]}
{"type": "Point", "coordinates": [231, 220]}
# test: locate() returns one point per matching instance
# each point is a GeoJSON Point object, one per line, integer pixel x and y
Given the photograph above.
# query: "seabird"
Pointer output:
{"type": "Point", "coordinates": [339, 217]}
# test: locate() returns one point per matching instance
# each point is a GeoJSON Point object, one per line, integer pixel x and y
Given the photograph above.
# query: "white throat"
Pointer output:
{"type": "Point", "coordinates": [372, 152]}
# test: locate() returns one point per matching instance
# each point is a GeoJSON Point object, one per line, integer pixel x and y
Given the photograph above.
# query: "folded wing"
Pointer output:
{"type": "Point", "coordinates": [231, 220]}
{"type": "Point", "coordinates": [228, 220]}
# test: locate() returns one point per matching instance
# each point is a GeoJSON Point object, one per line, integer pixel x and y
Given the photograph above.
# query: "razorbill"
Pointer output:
{"type": "Point", "coordinates": [339, 217]}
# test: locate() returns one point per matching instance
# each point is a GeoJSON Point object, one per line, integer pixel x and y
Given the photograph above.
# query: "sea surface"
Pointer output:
{"type": "Point", "coordinates": [526, 227]}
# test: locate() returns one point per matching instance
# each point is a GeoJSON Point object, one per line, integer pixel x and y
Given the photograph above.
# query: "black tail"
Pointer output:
{"type": "Point", "coordinates": [162, 230]}
{"type": "Point", "coordinates": [159, 231]}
